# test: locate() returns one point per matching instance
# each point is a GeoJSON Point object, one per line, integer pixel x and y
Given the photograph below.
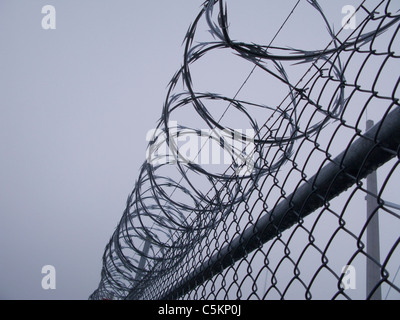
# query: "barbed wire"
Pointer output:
{"type": "Point", "coordinates": [187, 228]}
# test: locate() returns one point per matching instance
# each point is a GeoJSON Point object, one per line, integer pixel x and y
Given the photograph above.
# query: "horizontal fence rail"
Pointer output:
{"type": "Point", "coordinates": [350, 167]}
{"type": "Point", "coordinates": [275, 209]}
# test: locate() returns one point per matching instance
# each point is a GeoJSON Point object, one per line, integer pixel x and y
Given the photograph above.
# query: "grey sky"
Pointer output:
{"type": "Point", "coordinates": [75, 106]}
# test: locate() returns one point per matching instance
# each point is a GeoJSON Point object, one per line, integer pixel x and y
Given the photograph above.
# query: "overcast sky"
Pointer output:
{"type": "Point", "coordinates": [75, 106]}
{"type": "Point", "coordinates": [76, 103]}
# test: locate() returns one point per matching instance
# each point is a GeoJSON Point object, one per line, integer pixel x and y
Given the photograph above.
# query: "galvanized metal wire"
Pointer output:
{"type": "Point", "coordinates": [286, 227]}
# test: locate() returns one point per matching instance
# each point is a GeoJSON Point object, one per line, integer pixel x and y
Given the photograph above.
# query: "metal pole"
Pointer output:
{"type": "Point", "coordinates": [373, 251]}
{"type": "Point", "coordinates": [359, 159]}
{"type": "Point", "coordinates": [139, 274]}
{"type": "Point", "coordinates": [143, 259]}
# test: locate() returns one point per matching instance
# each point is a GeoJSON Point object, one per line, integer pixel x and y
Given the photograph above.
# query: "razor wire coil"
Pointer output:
{"type": "Point", "coordinates": [182, 220]}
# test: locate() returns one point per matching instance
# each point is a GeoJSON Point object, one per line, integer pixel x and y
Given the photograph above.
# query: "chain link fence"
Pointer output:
{"type": "Point", "coordinates": [304, 204]}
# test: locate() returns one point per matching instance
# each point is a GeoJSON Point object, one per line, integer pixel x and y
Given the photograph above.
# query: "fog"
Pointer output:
{"type": "Point", "coordinates": [77, 103]}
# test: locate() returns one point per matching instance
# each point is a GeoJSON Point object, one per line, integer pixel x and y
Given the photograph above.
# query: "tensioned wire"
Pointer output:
{"type": "Point", "coordinates": [253, 69]}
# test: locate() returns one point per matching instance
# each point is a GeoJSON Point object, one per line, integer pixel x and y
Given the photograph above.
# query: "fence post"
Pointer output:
{"type": "Point", "coordinates": [373, 250]}
{"type": "Point", "coordinates": [143, 259]}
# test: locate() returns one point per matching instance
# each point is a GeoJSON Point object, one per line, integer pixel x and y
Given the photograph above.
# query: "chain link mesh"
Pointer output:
{"type": "Point", "coordinates": [290, 227]}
